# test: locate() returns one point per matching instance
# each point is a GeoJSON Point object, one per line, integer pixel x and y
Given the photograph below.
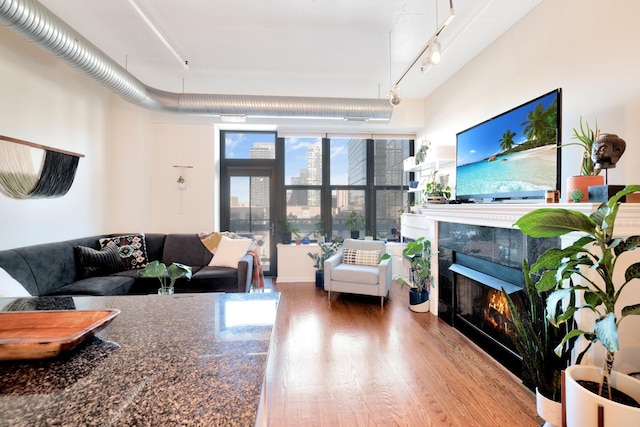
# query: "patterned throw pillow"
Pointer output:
{"type": "Point", "coordinates": [92, 262]}
{"type": "Point", "coordinates": [132, 249]}
{"type": "Point", "coordinates": [360, 257]}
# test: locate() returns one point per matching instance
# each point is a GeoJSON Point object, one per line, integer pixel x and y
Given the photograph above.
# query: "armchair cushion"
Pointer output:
{"type": "Point", "coordinates": [356, 274]}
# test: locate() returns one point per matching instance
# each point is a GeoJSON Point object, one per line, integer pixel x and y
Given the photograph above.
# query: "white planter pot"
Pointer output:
{"type": "Point", "coordinates": [582, 405]}
{"type": "Point", "coordinates": [549, 410]}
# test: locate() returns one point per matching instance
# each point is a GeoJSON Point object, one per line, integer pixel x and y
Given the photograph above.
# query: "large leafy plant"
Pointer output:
{"type": "Point", "coordinates": [172, 273]}
{"type": "Point", "coordinates": [598, 251]}
{"type": "Point", "coordinates": [326, 251]}
{"type": "Point", "coordinates": [418, 253]}
{"type": "Point", "coordinates": [536, 338]}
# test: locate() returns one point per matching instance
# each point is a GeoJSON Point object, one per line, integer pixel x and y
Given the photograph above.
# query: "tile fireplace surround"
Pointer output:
{"type": "Point", "coordinates": [503, 216]}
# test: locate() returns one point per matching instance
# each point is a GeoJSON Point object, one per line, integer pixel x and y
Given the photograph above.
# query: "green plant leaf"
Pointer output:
{"type": "Point", "coordinates": [606, 331]}
{"type": "Point", "coordinates": [177, 270]}
{"type": "Point", "coordinates": [550, 222]}
{"type": "Point", "coordinates": [154, 269]}
{"type": "Point", "coordinates": [631, 310]}
{"type": "Point", "coordinates": [632, 272]}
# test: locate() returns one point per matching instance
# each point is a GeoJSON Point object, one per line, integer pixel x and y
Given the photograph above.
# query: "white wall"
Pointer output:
{"type": "Point", "coordinates": [589, 48]}
{"type": "Point", "coordinates": [46, 102]}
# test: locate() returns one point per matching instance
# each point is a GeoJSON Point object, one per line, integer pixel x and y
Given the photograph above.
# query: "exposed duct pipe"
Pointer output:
{"type": "Point", "coordinates": [41, 26]}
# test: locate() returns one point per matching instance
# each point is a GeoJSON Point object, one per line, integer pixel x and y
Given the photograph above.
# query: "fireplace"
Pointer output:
{"type": "Point", "coordinates": [475, 264]}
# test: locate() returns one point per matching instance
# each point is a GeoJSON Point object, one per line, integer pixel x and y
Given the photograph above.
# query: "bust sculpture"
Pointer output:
{"type": "Point", "coordinates": [607, 150]}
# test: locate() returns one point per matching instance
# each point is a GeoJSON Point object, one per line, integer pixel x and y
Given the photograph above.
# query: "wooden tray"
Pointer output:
{"type": "Point", "coordinates": [45, 334]}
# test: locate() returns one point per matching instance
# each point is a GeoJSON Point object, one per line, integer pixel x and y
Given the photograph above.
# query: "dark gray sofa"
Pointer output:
{"type": "Point", "coordinates": [52, 269]}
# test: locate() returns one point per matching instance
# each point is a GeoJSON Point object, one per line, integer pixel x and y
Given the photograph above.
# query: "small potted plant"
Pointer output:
{"type": "Point", "coordinates": [326, 251]}
{"type": "Point", "coordinates": [418, 253]}
{"type": "Point", "coordinates": [597, 252]}
{"type": "Point", "coordinates": [173, 272]}
{"type": "Point", "coordinates": [437, 189]}
{"type": "Point", "coordinates": [320, 231]}
{"type": "Point", "coordinates": [287, 231]}
{"type": "Point", "coordinates": [589, 174]}
{"type": "Point", "coordinates": [354, 223]}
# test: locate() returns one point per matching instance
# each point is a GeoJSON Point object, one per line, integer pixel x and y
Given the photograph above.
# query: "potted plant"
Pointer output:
{"type": "Point", "coordinates": [418, 253]}
{"type": "Point", "coordinates": [320, 231]}
{"type": "Point", "coordinates": [173, 272]}
{"type": "Point", "coordinates": [437, 189]}
{"type": "Point", "coordinates": [354, 223]}
{"type": "Point", "coordinates": [326, 251]}
{"type": "Point", "coordinates": [287, 230]}
{"type": "Point", "coordinates": [421, 154]}
{"type": "Point", "coordinates": [536, 340]}
{"type": "Point", "coordinates": [598, 251]}
{"type": "Point", "coordinates": [589, 174]}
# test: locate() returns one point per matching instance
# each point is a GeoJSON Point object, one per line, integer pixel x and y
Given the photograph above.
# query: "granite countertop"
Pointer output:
{"type": "Point", "coordinates": [183, 359]}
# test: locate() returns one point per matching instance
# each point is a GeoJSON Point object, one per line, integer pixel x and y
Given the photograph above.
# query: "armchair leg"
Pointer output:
{"type": "Point", "coordinates": [381, 302]}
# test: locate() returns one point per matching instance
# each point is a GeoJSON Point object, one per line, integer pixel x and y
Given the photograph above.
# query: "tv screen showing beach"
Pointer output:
{"type": "Point", "coordinates": [513, 155]}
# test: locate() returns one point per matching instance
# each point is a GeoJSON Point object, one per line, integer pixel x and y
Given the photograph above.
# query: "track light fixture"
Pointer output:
{"type": "Point", "coordinates": [394, 99]}
{"type": "Point", "coordinates": [432, 48]}
{"type": "Point", "coordinates": [435, 52]}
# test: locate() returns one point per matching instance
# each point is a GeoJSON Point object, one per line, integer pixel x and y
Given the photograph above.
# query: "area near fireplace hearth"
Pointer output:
{"type": "Point", "coordinates": [497, 254]}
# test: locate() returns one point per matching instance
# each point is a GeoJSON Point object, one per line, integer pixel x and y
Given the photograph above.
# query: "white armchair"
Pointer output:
{"type": "Point", "coordinates": [357, 269]}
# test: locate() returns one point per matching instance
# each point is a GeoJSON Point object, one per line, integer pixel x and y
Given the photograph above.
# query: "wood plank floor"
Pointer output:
{"type": "Point", "coordinates": [355, 364]}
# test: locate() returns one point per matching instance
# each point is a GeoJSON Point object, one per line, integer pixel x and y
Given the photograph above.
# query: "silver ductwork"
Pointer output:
{"type": "Point", "coordinates": [41, 26]}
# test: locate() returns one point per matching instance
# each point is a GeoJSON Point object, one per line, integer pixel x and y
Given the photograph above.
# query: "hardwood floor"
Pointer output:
{"type": "Point", "coordinates": [355, 364]}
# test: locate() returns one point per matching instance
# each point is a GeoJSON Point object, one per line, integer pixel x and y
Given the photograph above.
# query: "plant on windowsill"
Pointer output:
{"type": "Point", "coordinates": [174, 272]}
{"type": "Point", "coordinates": [326, 250]}
{"type": "Point", "coordinates": [418, 253]}
{"type": "Point", "coordinates": [592, 258]}
{"type": "Point", "coordinates": [287, 230]}
{"type": "Point", "coordinates": [354, 223]}
{"type": "Point", "coordinates": [320, 231]}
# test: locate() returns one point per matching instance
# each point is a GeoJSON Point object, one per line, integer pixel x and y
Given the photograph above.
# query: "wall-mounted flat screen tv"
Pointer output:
{"type": "Point", "coordinates": [512, 156]}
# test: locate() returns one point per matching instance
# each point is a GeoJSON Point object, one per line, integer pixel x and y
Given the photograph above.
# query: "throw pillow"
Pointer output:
{"type": "Point", "coordinates": [10, 287]}
{"type": "Point", "coordinates": [229, 252]}
{"type": "Point", "coordinates": [368, 258]}
{"type": "Point", "coordinates": [360, 257]}
{"type": "Point", "coordinates": [132, 249]}
{"type": "Point", "coordinates": [92, 262]}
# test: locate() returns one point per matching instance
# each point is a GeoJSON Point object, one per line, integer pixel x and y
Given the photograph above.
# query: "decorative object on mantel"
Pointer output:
{"type": "Point", "coordinates": [589, 174]}
{"type": "Point", "coordinates": [597, 251]}
{"type": "Point", "coordinates": [437, 189]}
{"type": "Point", "coordinates": [605, 153]}
{"type": "Point", "coordinates": [18, 178]}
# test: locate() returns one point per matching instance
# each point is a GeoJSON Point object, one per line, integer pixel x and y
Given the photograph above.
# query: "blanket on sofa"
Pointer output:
{"type": "Point", "coordinates": [211, 240]}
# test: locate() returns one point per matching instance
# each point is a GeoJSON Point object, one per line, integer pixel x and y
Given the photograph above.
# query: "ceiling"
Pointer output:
{"type": "Point", "coordinates": [324, 48]}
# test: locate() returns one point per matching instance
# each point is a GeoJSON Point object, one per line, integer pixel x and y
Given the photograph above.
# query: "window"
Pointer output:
{"type": "Point", "coordinates": [328, 179]}
{"type": "Point", "coordinates": [249, 145]}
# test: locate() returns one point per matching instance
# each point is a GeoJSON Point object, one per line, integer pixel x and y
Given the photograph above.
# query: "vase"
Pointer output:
{"type": "Point", "coordinates": [320, 279]}
{"type": "Point", "coordinates": [419, 301]}
{"type": "Point", "coordinates": [165, 291]}
{"type": "Point", "coordinates": [582, 183]}
{"type": "Point", "coordinates": [549, 410]}
{"type": "Point", "coordinates": [582, 404]}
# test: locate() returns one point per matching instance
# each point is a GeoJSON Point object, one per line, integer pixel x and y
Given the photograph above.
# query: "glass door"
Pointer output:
{"type": "Point", "coordinates": [248, 208]}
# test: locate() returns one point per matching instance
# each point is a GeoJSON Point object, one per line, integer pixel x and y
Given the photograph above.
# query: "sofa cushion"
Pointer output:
{"type": "Point", "coordinates": [93, 262]}
{"type": "Point", "coordinates": [352, 273]}
{"type": "Point", "coordinates": [104, 285]}
{"type": "Point", "coordinates": [185, 248]}
{"type": "Point", "coordinates": [10, 287]}
{"type": "Point", "coordinates": [229, 252]}
{"type": "Point", "coordinates": [131, 248]}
